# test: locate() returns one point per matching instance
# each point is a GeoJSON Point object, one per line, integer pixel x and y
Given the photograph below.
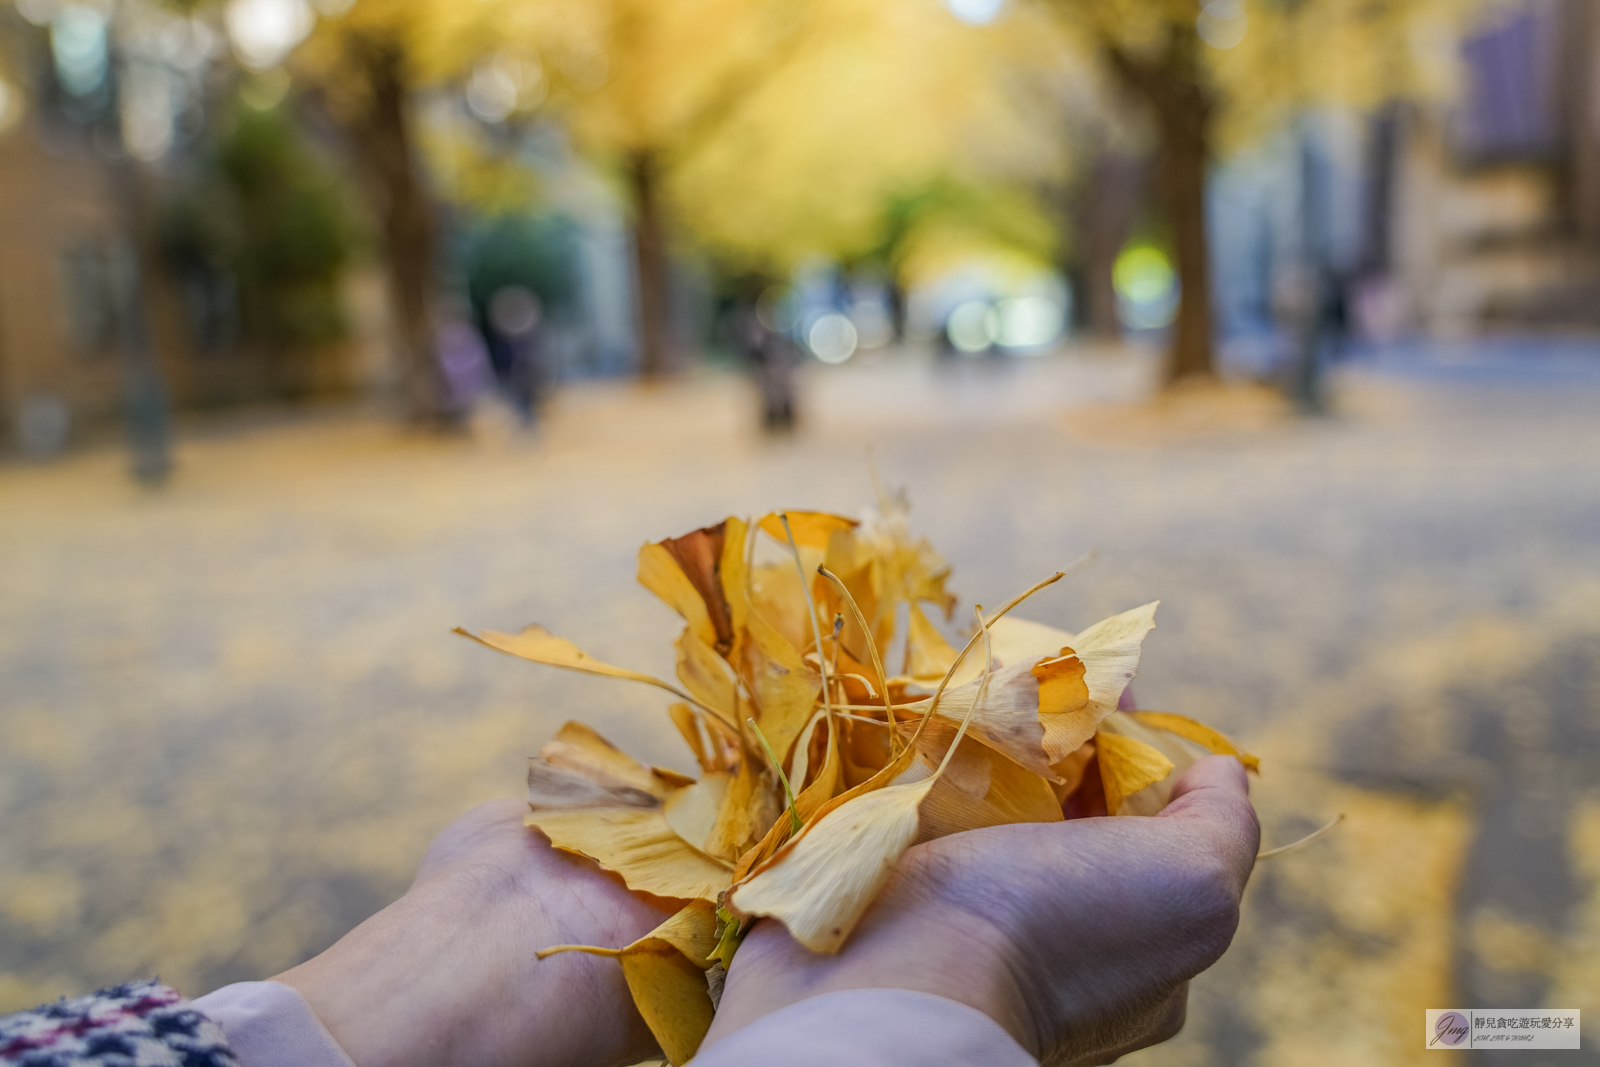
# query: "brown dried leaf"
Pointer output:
{"type": "Point", "coordinates": [699, 556]}
{"type": "Point", "coordinates": [662, 574]}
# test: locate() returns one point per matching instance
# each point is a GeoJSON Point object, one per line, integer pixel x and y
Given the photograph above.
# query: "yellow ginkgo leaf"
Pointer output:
{"type": "Point", "coordinates": [811, 528]}
{"type": "Point", "coordinates": [928, 654]}
{"type": "Point", "coordinates": [1015, 640]}
{"type": "Point", "coordinates": [750, 805]}
{"type": "Point", "coordinates": [1198, 732]}
{"type": "Point", "coordinates": [1071, 708]}
{"type": "Point", "coordinates": [688, 724]}
{"type": "Point", "coordinates": [1007, 719]}
{"type": "Point", "coordinates": [582, 748]}
{"type": "Point", "coordinates": [706, 676]}
{"type": "Point", "coordinates": [784, 687]}
{"type": "Point", "coordinates": [1110, 653]}
{"type": "Point", "coordinates": [1127, 766]}
{"type": "Point", "coordinates": [980, 787]}
{"type": "Point", "coordinates": [822, 788]}
{"type": "Point", "coordinates": [733, 571]}
{"type": "Point", "coordinates": [821, 882]}
{"type": "Point", "coordinates": [665, 972]}
{"type": "Point", "coordinates": [693, 810]}
{"type": "Point", "coordinates": [640, 845]}
{"type": "Point", "coordinates": [541, 646]}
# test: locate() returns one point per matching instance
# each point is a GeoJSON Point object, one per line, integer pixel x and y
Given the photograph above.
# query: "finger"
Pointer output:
{"type": "Point", "coordinates": [1215, 794]}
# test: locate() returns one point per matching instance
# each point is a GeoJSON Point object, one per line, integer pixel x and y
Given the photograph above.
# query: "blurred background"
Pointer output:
{"type": "Point", "coordinates": [328, 325]}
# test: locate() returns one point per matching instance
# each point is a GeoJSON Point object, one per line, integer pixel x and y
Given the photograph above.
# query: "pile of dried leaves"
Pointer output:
{"type": "Point", "coordinates": [818, 767]}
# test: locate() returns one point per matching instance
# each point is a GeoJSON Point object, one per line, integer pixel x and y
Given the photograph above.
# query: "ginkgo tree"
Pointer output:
{"type": "Point", "coordinates": [765, 132]}
{"type": "Point", "coordinates": [1216, 73]}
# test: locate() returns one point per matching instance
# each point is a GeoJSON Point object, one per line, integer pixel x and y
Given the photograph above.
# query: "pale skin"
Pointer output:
{"type": "Point", "coordinates": [1078, 938]}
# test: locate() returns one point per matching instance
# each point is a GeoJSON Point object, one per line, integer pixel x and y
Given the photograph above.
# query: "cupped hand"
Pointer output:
{"type": "Point", "coordinates": [447, 974]}
{"type": "Point", "coordinates": [1078, 937]}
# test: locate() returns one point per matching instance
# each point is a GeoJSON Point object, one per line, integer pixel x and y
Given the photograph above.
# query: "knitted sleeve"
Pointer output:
{"type": "Point", "coordinates": [136, 1024]}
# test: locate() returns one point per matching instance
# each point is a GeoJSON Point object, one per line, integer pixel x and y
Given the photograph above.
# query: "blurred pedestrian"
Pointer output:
{"type": "Point", "coordinates": [513, 331]}
{"type": "Point", "coordinates": [773, 362]}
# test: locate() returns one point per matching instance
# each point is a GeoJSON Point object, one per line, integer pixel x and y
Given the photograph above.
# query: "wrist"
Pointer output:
{"type": "Point", "coordinates": [404, 988]}
{"type": "Point", "coordinates": [954, 956]}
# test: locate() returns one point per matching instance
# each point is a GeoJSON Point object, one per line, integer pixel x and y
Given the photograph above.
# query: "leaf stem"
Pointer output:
{"type": "Point", "coordinates": [872, 646]}
{"type": "Point", "coordinates": [794, 813]}
{"type": "Point", "coordinates": [1306, 840]}
{"type": "Point", "coordinates": [977, 698]}
{"type": "Point", "coordinates": [811, 607]}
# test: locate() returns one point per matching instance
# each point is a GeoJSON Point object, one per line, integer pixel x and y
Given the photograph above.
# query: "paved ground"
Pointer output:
{"type": "Point", "coordinates": [233, 713]}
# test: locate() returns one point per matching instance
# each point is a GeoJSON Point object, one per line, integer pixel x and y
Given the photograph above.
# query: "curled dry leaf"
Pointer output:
{"type": "Point", "coordinates": [785, 645]}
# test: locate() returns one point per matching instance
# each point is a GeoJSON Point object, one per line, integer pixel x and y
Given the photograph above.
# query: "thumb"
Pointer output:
{"type": "Point", "coordinates": [1213, 795]}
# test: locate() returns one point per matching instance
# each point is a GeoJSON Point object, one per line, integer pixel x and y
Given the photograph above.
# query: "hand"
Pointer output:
{"type": "Point", "coordinates": [446, 974]}
{"type": "Point", "coordinates": [1078, 937]}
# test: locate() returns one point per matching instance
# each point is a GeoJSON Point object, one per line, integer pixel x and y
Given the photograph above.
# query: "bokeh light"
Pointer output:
{"type": "Point", "coordinates": [1147, 287]}
{"type": "Point", "coordinates": [832, 337]}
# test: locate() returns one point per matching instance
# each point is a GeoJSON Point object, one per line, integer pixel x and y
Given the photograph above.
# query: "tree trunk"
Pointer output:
{"type": "Point", "coordinates": [650, 267]}
{"type": "Point", "coordinates": [1183, 187]}
{"type": "Point", "coordinates": [1103, 218]}
{"type": "Point", "coordinates": [383, 140]}
{"type": "Point", "coordinates": [1173, 84]}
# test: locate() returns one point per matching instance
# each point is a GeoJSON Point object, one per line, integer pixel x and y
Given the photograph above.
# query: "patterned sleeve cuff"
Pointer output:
{"type": "Point", "coordinates": [136, 1023]}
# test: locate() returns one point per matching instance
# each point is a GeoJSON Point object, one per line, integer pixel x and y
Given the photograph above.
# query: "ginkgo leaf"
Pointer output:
{"type": "Point", "coordinates": [980, 787]}
{"type": "Point", "coordinates": [811, 529]}
{"type": "Point", "coordinates": [823, 788]}
{"type": "Point", "coordinates": [541, 646]}
{"type": "Point", "coordinates": [552, 786]}
{"type": "Point", "coordinates": [1181, 751]}
{"type": "Point", "coordinates": [1071, 771]}
{"type": "Point", "coordinates": [1007, 719]}
{"type": "Point", "coordinates": [929, 655]}
{"type": "Point", "coordinates": [661, 573]}
{"type": "Point", "coordinates": [750, 805]}
{"type": "Point", "coordinates": [688, 724]}
{"type": "Point", "coordinates": [1127, 766]}
{"type": "Point", "coordinates": [1014, 640]}
{"type": "Point", "coordinates": [784, 688]}
{"type": "Point", "coordinates": [581, 748]}
{"type": "Point", "coordinates": [733, 571]}
{"type": "Point", "coordinates": [828, 875]}
{"type": "Point", "coordinates": [699, 556]}
{"type": "Point", "coordinates": [1198, 732]}
{"type": "Point", "coordinates": [1109, 655]}
{"type": "Point", "coordinates": [706, 677]}
{"type": "Point", "coordinates": [693, 810]}
{"type": "Point", "coordinates": [665, 972]}
{"type": "Point", "coordinates": [639, 845]}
